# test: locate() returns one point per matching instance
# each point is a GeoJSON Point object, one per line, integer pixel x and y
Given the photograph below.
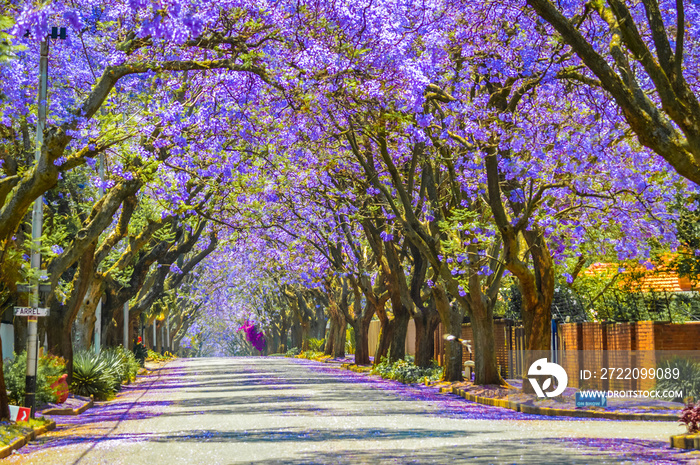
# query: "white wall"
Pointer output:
{"type": "Point", "coordinates": [7, 333]}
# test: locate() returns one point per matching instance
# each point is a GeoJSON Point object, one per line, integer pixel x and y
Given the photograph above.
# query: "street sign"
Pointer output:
{"type": "Point", "coordinates": [19, 413]}
{"type": "Point", "coordinates": [591, 399]}
{"type": "Point", "coordinates": [31, 311]}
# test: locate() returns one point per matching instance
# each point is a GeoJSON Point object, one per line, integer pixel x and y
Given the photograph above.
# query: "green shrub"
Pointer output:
{"type": "Point", "coordinates": [93, 375]}
{"type": "Point", "coordinates": [116, 366]}
{"type": "Point", "coordinates": [688, 380]}
{"type": "Point", "coordinates": [293, 352]}
{"type": "Point", "coordinates": [131, 367]}
{"type": "Point", "coordinates": [316, 344]}
{"type": "Point", "coordinates": [15, 372]}
{"type": "Point", "coordinates": [406, 371]}
{"type": "Point", "coordinates": [48, 370]}
{"type": "Point", "coordinates": [155, 356]}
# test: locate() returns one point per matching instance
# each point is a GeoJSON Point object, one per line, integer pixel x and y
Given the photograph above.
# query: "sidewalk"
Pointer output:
{"type": "Point", "coordinates": [132, 402]}
{"type": "Point", "coordinates": [563, 406]}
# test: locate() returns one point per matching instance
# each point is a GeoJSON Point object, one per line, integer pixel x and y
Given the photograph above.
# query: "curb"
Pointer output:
{"type": "Point", "coordinates": [685, 441]}
{"type": "Point", "coordinates": [69, 411]}
{"type": "Point", "coordinates": [8, 450]}
{"type": "Point", "coordinates": [560, 412]}
{"type": "Point", "coordinates": [546, 411]}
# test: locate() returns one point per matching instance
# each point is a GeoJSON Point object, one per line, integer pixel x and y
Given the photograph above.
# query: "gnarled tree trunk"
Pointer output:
{"type": "Point", "coordinates": [452, 321]}
{"type": "Point", "coordinates": [386, 329]}
{"type": "Point", "coordinates": [426, 324]}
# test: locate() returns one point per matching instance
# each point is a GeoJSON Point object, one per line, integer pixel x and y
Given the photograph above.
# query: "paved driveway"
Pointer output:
{"type": "Point", "coordinates": [284, 411]}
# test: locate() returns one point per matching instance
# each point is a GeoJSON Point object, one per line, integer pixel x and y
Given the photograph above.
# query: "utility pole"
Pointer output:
{"type": "Point", "coordinates": [98, 310]}
{"type": "Point", "coordinates": [126, 325]}
{"type": "Point", "coordinates": [167, 332]}
{"type": "Point", "coordinates": [37, 223]}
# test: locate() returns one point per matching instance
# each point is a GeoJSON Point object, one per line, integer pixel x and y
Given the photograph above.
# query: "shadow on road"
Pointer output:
{"type": "Point", "coordinates": [529, 451]}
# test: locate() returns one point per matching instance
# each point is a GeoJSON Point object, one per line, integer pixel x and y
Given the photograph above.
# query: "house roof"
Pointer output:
{"type": "Point", "coordinates": [643, 278]}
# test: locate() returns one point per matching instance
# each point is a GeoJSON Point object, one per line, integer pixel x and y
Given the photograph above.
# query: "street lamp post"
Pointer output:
{"type": "Point", "coordinates": [37, 220]}
{"type": "Point", "coordinates": [98, 310]}
{"type": "Point", "coordinates": [126, 325]}
{"type": "Point", "coordinates": [167, 333]}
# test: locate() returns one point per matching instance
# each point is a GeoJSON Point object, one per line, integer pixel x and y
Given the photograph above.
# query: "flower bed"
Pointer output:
{"type": "Point", "coordinates": [15, 435]}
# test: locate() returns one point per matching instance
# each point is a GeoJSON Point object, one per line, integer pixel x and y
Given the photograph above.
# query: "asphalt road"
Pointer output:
{"type": "Point", "coordinates": [283, 411]}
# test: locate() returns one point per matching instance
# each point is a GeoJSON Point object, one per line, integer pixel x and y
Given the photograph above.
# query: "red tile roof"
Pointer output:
{"type": "Point", "coordinates": [656, 279]}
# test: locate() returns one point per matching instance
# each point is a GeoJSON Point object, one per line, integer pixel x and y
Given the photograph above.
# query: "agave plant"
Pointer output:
{"type": "Point", "coordinates": [92, 375]}
{"type": "Point", "coordinates": [115, 365]}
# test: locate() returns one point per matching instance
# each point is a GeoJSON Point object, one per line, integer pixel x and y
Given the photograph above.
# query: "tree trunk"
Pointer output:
{"type": "Point", "coordinates": [426, 323]}
{"type": "Point", "coordinates": [453, 350]}
{"type": "Point", "coordinates": [159, 337]}
{"type": "Point", "coordinates": [304, 335]}
{"type": "Point", "coordinates": [398, 336]}
{"type": "Point", "coordinates": [60, 321]}
{"type": "Point", "coordinates": [484, 347]}
{"type": "Point", "coordinates": [538, 293]}
{"type": "Point", "coordinates": [284, 329]}
{"type": "Point", "coordinates": [20, 329]}
{"type": "Point", "coordinates": [61, 344]}
{"type": "Point", "coordinates": [85, 323]}
{"type": "Point", "coordinates": [386, 328]}
{"type": "Point", "coordinates": [362, 339]}
{"type": "Point", "coordinates": [330, 339]}
{"type": "Point", "coordinates": [296, 335]}
{"type": "Point", "coordinates": [318, 324]}
{"type": "Point", "coordinates": [272, 338]}
{"type": "Point", "coordinates": [339, 339]}
{"type": "Point", "coordinates": [452, 321]}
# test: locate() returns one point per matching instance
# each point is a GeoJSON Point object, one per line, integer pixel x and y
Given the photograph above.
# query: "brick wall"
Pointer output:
{"type": "Point", "coordinates": [618, 340]}
{"type": "Point", "coordinates": [611, 344]}
{"type": "Point", "coordinates": [643, 335]}
{"type": "Point", "coordinates": [677, 337]}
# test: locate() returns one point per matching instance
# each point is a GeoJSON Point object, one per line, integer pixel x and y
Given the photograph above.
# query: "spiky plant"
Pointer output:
{"type": "Point", "coordinates": [92, 375]}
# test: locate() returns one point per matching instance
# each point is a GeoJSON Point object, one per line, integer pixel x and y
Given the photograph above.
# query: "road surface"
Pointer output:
{"type": "Point", "coordinates": [286, 411]}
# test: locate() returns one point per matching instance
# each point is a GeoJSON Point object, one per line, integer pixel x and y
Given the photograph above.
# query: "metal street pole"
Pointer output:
{"type": "Point", "coordinates": [98, 327]}
{"type": "Point", "coordinates": [126, 325]}
{"type": "Point", "coordinates": [167, 333]}
{"type": "Point", "coordinates": [37, 220]}
{"type": "Point", "coordinates": [98, 310]}
{"type": "Point", "coordinates": [154, 335]}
